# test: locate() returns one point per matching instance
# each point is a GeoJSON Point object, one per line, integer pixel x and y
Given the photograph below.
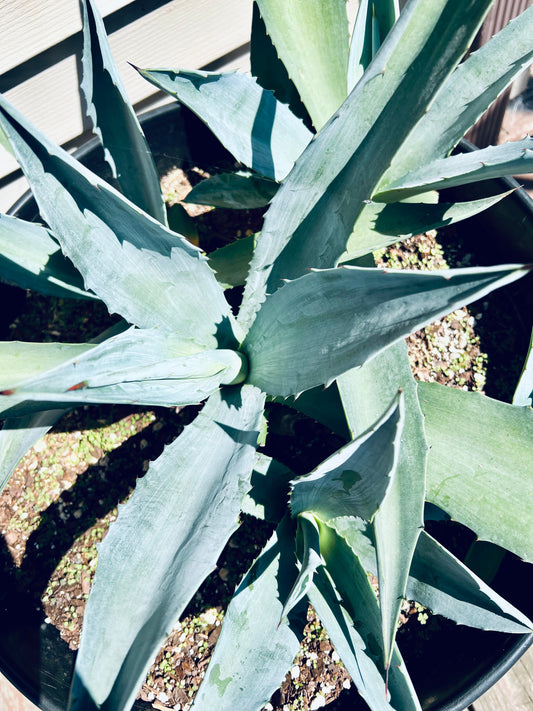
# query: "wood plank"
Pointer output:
{"type": "Point", "coordinates": [175, 34]}
{"type": "Point", "coordinates": [514, 691]}
{"type": "Point", "coordinates": [11, 699]}
{"type": "Point", "coordinates": [61, 19]}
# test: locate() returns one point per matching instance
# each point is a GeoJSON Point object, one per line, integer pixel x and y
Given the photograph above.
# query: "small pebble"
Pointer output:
{"type": "Point", "coordinates": [317, 703]}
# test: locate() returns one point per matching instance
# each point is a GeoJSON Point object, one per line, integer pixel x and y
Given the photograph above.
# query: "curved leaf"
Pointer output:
{"type": "Point", "coordinates": [140, 366]}
{"type": "Point", "coordinates": [479, 466]}
{"type": "Point", "coordinates": [309, 559]}
{"type": "Point", "coordinates": [441, 582]}
{"type": "Point", "coordinates": [18, 435]}
{"type": "Point", "coordinates": [492, 162]}
{"type": "Point", "coordinates": [355, 479]}
{"type": "Point", "coordinates": [114, 120]}
{"type": "Point", "coordinates": [140, 269]}
{"type": "Point", "coordinates": [466, 95]}
{"type": "Point", "coordinates": [524, 390]}
{"type": "Point", "coordinates": [270, 70]}
{"type": "Point", "coordinates": [31, 258]}
{"type": "Point", "coordinates": [257, 129]}
{"type": "Point", "coordinates": [181, 514]}
{"type": "Point", "coordinates": [347, 607]}
{"type": "Point", "coordinates": [373, 23]}
{"type": "Point", "coordinates": [305, 336]}
{"type": "Point", "coordinates": [365, 393]}
{"type": "Point", "coordinates": [267, 498]}
{"type": "Point", "coordinates": [311, 39]}
{"type": "Point", "coordinates": [232, 261]}
{"type": "Point", "coordinates": [383, 224]}
{"type": "Point", "coordinates": [315, 209]}
{"type": "Point", "coordinates": [255, 649]}
{"type": "Point", "coordinates": [242, 191]}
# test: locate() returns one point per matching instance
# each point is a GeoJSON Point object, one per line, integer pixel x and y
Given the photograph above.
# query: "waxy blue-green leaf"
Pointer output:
{"type": "Point", "coordinates": [323, 405]}
{"type": "Point", "coordinates": [242, 191]}
{"type": "Point", "coordinates": [114, 119]}
{"type": "Point", "coordinates": [382, 224]}
{"type": "Point", "coordinates": [309, 559]}
{"type": "Point", "coordinates": [257, 129]}
{"type": "Point", "coordinates": [269, 70]}
{"type": "Point", "coordinates": [209, 467]}
{"type": "Point", "coordinates": [493, 162]}
{"type": "Point", "coordinates": [22, 361]}
{"type": "Point", "coordinates": [365, 394]}
{"type": "Point", "coordinates": [269, 491]}
{"type": "Point", "coordinates": [304, 335]}
{"type": "Point", "coordinates": [374, 21]}
{"type": "Point", "coordinates": [355, 479]}
{"type": "Point", "coordinates": [524, 390]}
{"type": "Point", "coordinates": [140, 269]}
{"type": "Point", "coordinates": [313, 212]}
{"type": "Point", "coordinates": [232, 261]}
{"type": "Point", "coordinates": [140, 366]}
{"type": "Point", "coordinates": [479, 465]}
{"type": "Point", "coordinates": [311, 39]}
{"type": "Point", "coordinates": [466, 95]}
{"type": "Point", "coordinates": [447, 587]}
{"type": "Point", "coordinates": [18, 435]}
{"type": "Point", "coordinates": [255, 650]}
{"type": "Point", "coordinates": [347, 607]}
{"type": "Point", "coordinates": [439, 581]}
{"type": "Point", "coordinates": [31, 258]}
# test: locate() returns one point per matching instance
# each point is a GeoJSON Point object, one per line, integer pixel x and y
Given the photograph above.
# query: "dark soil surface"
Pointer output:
{"type": "Point", "coordinates": [64, 494]}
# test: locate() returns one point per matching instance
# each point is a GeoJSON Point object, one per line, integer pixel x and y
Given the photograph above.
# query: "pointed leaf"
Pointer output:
{"type": "Point", "coordinates": [254, 650]}
{"type": "Point", "coordinates": [181, 515]}
{"type": "Point", "coordinates": [114, 120]}
{"type": "Point", "coordinates": [22, 361]}
{"type": "Point", "coordinates": [383, 224]}
{"type": "Point", "coordinates": [270, 70]}
{"type": "Point", "coordinates": [31, 258]}
{"type": "Point", "coordinates": [479, 466]}
{"type": "Point", "coordinates": [140, 366]}
{"type": "Point", "coordinates": [256, 128]}
{"type": "Point", "coordinates": [242, 191]}
{"type": "Point", "coordinates": [18, 435]}
{"type": "Point", "coordinates": [524, 391]}
{"type": "Point", "coordinates": [441, 582]}
{"type": "Point", "coordinates": [313, 212]}
{"type": "Point", "coordinates": [140, 269]}
{"type": "Point", "coordinates": [267, 498]}
{"type": "Point", "coordinates": [309, 559]}
{"type": "Point", "coordinates": [492, 162]}
{"type": "Point", "coordinates": [311, 40]}
{"type": "Point", "coordinates": [466, 95]}
{"type": "Point", "coordinates": [355, 479]}
{"type": "Point", "coordinates": [373, 23]}
{"type": "Point", "coordinates": [232, 261]}
{"type": "Point", "coordinates": [323, 405]}
{"type": "Point", "coordinates": [329, 321]}
{"type": "Point", "coordinates": [354, 626]}
{"type": "Point", "coordinates": [365, 393]}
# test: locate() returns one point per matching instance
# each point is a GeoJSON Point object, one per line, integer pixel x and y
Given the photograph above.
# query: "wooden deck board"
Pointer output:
{"type": "Point", "coordinates": [514, 692]}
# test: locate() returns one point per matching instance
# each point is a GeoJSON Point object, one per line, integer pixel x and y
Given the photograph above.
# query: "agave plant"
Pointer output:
{"type": "Point", "coordinates": [382, 111]}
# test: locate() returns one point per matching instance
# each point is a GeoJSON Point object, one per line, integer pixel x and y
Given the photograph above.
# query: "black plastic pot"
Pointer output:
{"type": "Point", "coordinates": [450, 665]}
